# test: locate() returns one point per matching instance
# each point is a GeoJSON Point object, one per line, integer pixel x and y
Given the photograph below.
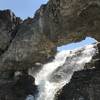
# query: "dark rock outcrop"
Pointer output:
{"type": "Point", "coordinates": [27, 47]}
{"type": "Point", "coordinates": [85, 85]}
{"type": "Point", "coordinates": [71, 20]}
{"type": "Point", "coordinates": [18, 88]}
{"type": "Point", "coordinates": [8, 23]}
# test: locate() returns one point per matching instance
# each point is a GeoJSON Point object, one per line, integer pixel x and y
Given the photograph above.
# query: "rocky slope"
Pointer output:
{"type": "Point", "coordinates": [18, 87]}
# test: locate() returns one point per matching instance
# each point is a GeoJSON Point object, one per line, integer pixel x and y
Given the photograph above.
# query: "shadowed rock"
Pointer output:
{"type": "Point", "coordinates": [8, 23]}
{"type": "Point", "coordinates": [19, 88]}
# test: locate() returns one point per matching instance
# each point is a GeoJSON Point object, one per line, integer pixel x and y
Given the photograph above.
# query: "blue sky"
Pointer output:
{"type": "Point", "coordinates": [80, 44]}
{"type": "Point", "coordinates": [22, 8]}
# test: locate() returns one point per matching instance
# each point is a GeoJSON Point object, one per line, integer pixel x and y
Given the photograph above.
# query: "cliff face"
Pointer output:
{"type": "Point", "coordinates": [56, 23]}
{"type": "Point", "coordinates": [8, 22]}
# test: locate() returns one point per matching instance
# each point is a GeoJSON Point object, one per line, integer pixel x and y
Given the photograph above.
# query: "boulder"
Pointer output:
{"type": "Point", "coordinates": [18, 88]}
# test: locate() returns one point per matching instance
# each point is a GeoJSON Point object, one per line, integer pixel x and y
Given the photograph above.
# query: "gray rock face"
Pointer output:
{"type": "Point", "coordinates": [18, 88]}
{"type": "Point", "coordinates": [8, 22]}
{"type": "Point", "coordinates": [27, 48]}
{"type": "Point", "coordinates": [70, 20]}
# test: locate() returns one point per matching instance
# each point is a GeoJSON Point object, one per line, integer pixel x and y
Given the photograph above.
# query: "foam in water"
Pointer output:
{"type": "Point", "coordinates": [30, 97]}
{"type": "Point", "coordinates": [54, 75]}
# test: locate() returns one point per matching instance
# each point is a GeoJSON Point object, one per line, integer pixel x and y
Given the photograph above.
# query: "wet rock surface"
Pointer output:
{"type": "Point", "coordinates": [26, 46]}
{"type": "Point", "coordinates": [8, 23]}
{"type": "Point", "coordinates": [85, 85]}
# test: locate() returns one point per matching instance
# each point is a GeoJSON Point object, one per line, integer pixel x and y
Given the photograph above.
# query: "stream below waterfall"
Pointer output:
{"type": "Point", "coordinates": [54, 75]}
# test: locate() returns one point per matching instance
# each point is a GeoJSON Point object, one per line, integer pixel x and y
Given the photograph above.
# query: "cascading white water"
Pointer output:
{"type": "Point", "coordinates": [54, 75]}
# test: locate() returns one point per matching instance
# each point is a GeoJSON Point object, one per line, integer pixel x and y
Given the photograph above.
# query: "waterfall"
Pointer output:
{"type": "Point", "coordinates": [54, 75]}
